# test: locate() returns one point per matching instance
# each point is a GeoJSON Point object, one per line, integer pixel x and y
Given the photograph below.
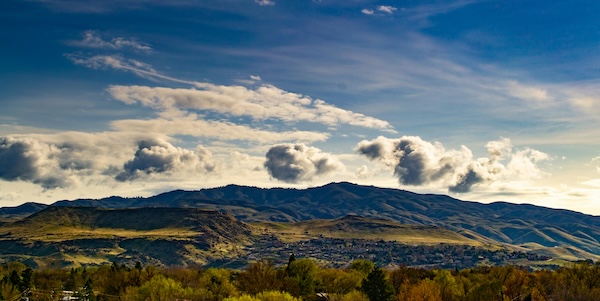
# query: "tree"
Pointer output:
{"type": "Point", "coordinates": [265, 296]}
{"type": "Point", "coordinates": [377, 287]}
{"type": "Point", "coordinates": [217, 283]}
{"type": "Point", "coordinates": [425, 290]}
{"type": "Point", "coordinates": [259, 277]}
{"type": "Point", "coordinates": [362, 266]}
{"type": "Point", "coordinates": [302, 278]}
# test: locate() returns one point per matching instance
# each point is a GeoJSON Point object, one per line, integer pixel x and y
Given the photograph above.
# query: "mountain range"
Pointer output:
{"type": "Point", "coordinates": [556, 232]}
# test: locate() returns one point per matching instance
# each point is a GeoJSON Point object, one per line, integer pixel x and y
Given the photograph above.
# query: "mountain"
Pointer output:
{"type": "Point", "coordinates": [8, 214]}
{"type": "Point", "coordinates": [88, 235]}
{"type": "Point", "coordinates": [531, 227]}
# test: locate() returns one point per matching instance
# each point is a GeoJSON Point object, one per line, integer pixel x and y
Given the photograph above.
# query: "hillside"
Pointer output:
{"type": "Point", "coordinates": [525, 226]}
{"type": "Point", "coordinates": [359, 227]}
{"type": "Point", "coordinates": [160, 236]}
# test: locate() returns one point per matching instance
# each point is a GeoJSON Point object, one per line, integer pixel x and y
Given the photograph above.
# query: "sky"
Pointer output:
{"type": "Point", "coordinates": [482, 100]}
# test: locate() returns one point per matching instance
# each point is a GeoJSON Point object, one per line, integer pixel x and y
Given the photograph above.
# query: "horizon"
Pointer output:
{"type": "Point", "coordinates": [292, 188]}
{"type": "Point", "coordinates": [484, 101]}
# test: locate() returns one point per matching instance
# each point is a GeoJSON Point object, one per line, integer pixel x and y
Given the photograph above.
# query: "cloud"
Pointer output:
{"type": "Point", "coordinates": [382, 9]}
{"type": "Point", "coordinates": [191, 125]}
{"type": "Point", "coordinates": [27, 159]}
{"type": "Point", "coordinates": [386, 9]}
{"type": "Point", "coordinates": [367, 11]}
{"type": "Point", "coordinates": [418, 162]}
{"type": "Point", "coordinates": [118, 62]}
{"type": "Point", "coordinates": [265, 2]}
{"type": "Point", "coordinates": [294, 163]}
{"type": "Point", "coordinates": [92, 39]}
{"type": "Point", "coordinates": [160, 157]}
{"type": "Point", "coordinates": [264, 102]}
{"type": "Point", "coordinates": [362, 172]}
{"type": "Point", "coordinates": [518, 90]}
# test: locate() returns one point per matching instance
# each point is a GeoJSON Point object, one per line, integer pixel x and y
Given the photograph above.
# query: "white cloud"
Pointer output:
{"type": "Point", "coordinates": [120, 63]}
{"type": "Point", "coordinates": [265, 2]}
{"type": "Point", "coordinates": [367, 11]}
{"type": "Point", "coordinates": [92, 39]}
{"type": "Point", "coordinates": [386, 9]}
{"type": "Point", "coordinates": [265, 102]}
{"type": "Point", "coordinates": [362, 172]}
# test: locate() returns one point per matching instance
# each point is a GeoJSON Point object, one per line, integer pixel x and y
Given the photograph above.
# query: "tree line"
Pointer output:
{"type": "Point", "coordinates": [301, 279]}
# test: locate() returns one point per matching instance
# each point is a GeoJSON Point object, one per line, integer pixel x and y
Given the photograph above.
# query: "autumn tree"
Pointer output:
{"type": "Point", "coordinates": [259, 277]}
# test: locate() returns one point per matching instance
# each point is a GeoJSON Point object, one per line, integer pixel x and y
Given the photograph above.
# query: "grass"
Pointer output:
{"type": "Point", "coordinates": [363, 228]}
{"type": "Point", "coordinates": [65, 233]}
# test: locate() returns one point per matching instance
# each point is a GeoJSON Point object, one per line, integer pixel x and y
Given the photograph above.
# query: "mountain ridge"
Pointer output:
{"type": "Point", "coordinates": [516, 224]}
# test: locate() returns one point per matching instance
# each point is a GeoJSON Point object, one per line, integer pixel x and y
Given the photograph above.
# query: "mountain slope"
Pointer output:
{"type": "Point", "coordinates": [503, 222]}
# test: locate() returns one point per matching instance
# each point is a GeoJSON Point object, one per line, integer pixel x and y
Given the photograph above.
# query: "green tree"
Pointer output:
{"type": "Point", "coordinates": [158, 288]}
{"type": "Point", "coordinates": [302, 278]}
{"type": "Point", "coordinates": [377, 287]}
{"type": "Point", "coordinates": [362, 266]}
{"type": "Point", "coordinates": [217, 284]}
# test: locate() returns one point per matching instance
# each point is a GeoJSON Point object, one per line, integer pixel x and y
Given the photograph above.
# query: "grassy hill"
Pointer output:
{"type": "Point", "coordinates": [161, 236]}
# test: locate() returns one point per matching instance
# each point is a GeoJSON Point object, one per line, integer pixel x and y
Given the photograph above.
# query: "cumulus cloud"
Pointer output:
{"type": "Point", "coordinates": [27, 159]}
{"type": "Point", "coordinates": [294, 163]}
{"type": "Point", "coordinates": [93, 39]}
{"type": "Point", "coordinates": [160, 157]}
{"type": "Point", "coordinates": [418, 162]}
{"type": "Point", "coordinates": [265, 102]}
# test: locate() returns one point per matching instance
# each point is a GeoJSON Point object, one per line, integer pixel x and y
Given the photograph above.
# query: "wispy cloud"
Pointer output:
{"type": "Point", "coordinates": [118, 62]}
{"type": "Point", "coordinates": [93, 39]}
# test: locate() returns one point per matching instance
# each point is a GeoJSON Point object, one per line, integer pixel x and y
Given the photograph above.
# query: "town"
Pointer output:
{"type": "Point", "coordinates": [338, 253]}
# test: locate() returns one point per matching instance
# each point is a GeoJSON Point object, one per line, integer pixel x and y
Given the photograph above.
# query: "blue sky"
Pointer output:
{"type": "Point", "coordinates": [482, 100]}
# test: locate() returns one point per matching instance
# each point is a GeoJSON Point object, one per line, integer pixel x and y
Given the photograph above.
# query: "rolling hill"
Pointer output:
{"type": "Point", "coordinates": [525, 226]}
